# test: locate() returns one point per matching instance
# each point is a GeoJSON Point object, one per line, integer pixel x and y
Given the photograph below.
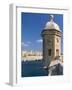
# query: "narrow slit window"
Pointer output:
{"type": "Point", "coordinates": [57, 52]}
{"type": "Point", "coordinates": [49, 52]}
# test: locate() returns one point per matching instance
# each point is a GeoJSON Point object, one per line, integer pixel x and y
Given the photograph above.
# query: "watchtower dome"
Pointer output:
{"type": "Point", "coordinates": [51, 35]}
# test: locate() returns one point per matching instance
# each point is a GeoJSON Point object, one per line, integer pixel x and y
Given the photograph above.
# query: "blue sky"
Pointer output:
{"type": "Point", "coordinates": [31, 26]}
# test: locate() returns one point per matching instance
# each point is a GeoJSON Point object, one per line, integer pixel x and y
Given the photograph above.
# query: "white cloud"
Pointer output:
{"type": "Point", "coordinates": [39, 41]}
{"type": "Point", "coordinates": [29, 42]}
{"type": "Point", "coordinates": [24, 44]}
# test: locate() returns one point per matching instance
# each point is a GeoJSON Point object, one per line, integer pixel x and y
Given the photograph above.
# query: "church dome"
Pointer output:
{"type": "Point", "coordinates": [52, 25]}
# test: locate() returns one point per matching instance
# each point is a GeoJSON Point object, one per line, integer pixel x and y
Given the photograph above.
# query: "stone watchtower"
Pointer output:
{"type": "Point", "coordinates": [51, 35]}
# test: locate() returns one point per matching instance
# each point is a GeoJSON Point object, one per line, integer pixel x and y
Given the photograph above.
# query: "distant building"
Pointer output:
{"type": "Point", "coordinates": [31, 55]}
{"type": "Point", "coordinates": [51, 41]}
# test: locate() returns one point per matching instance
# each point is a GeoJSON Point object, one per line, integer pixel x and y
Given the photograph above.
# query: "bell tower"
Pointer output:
{"type": "Point", "coordinates": [51, 36]}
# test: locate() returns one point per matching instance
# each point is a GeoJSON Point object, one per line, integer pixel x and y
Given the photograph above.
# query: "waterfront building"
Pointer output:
{"type": "Point", "coordinates": [31, 55]}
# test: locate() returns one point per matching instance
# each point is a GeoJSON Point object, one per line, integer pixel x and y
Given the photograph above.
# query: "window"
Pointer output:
{"type": "Point", "coordinates": [49, 52]}
{"type": "Point", "coordinates": [57, 52]}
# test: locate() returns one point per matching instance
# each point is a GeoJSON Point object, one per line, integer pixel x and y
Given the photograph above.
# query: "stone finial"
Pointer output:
{"type": "Point", "coordinates": [51, 17]}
